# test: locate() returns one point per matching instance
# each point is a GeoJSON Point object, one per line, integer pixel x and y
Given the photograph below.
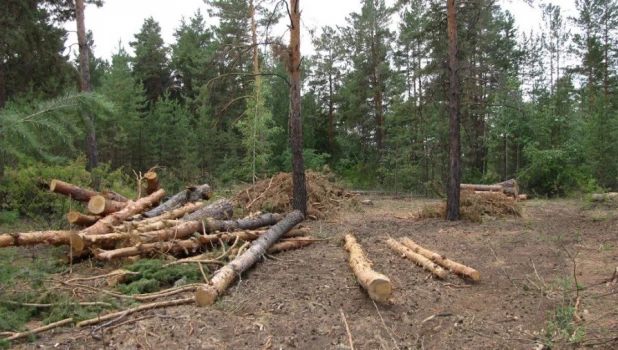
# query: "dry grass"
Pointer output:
{"type": "Point", "coordinates": [324, 195]}
{"type": "Point", "coordinates": [475, 206]}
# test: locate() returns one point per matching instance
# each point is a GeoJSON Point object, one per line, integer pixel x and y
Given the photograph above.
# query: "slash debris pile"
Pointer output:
{"type": "Point", "coordinates": [475, 206]}
{"type": "Point", "coordinates": [324, 195]}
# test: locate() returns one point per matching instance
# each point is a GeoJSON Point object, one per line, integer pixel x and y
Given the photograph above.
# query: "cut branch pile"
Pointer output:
{"type": "Point", "coordinates": [324, 196]}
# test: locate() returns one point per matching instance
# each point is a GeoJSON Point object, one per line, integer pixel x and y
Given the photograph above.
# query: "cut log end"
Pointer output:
{"type": "Point", "coordinates": [206, 295]}
{"type": "Point", "coordinates": [474, 275]}
{"type": "Point", "coordinates": [380, 289]}
{"type": "Point", "coordinates": [52, 185]}
{"type": "Point", "coordinates": [96, 205]}
{"type": "Point", "coordinates": [76, 241]}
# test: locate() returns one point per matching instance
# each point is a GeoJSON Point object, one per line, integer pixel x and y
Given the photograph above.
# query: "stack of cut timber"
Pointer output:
{"type": "Point", "coordinates": [509, 188]}
{"type": "Point", "coordinates": [605, 197]}
{"type": "Point", "coordinates": [183, 225]}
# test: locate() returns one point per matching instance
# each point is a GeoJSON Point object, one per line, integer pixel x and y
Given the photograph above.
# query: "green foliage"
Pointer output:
{"type": "Point", "coordinates": [152, 277]}
{"type": "Point", "coordinates": [8, 217]}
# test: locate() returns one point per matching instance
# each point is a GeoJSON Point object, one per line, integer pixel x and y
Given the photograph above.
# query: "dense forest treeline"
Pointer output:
{"type": "Point", "coordinates": [536, 106]}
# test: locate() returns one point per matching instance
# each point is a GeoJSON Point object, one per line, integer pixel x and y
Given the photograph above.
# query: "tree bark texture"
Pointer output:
{"type": "Point", "coordinates": [77, 218]}
{"type": "Point", "coordinates": [291, 244]}
{"type": "Point", "coordinates": [219, 210]}
{"type": "Point", "coordinates": [219, 282]}
{"type": "Point", "coordinates": [192, 194]}
{"type": "Point", "coordinates": [152, 182]}
{"type": "Point", "coordinates": [38, 237]}
{"type": "Point", "coordinates": [172, 214]}
{"type": "Point", "coordinates": [454, 180]}
{"type": "Point", "coordinates": [453, 266]}
{"type": "Point", "coordinates": [377, 285]}
{"type": "Point", "coordinates": [99, 205]}
{"type": "Point", "coordinates": [75, 192]}
{"type": "Point", "coordinates": [298, 165]}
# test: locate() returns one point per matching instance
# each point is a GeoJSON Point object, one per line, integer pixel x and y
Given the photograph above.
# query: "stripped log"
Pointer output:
{"type": "Point", "coordinates": [376, 284]}
{"type": "Point", "coordinates": [219, 210]}
{"type": "Point", "coordinates": [40, 237]}
{"type": "Point", "coordinates": [176, 246]}
{"type": "Point", "coordinates": [453, 266]}
{"type": "Point", "coordinates": [75, 192]}
{"type": "Point", "coordinates": [77, 218]}
{"type": "Point", "coordinates": [191, 194]}
{"type": "Point", "coordinates": [106, 224]}
{"type": "Point", "coordinates": [417, 258]}
{"type": "Point", "coordinates": [100, 205]}
{"type": "Point", "coordinates": [152, 182]}
{"type": "Point", "coordinates": [291, 244]}
{"type": "Point", "coordinates": [208, 293]}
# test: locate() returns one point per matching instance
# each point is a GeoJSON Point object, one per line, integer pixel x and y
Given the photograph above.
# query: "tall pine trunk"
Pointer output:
{"type": "Point", "coordinates": [454, 181]}
{"type": "Point", "coordinates": [298, 165]}
{"type": "Point", "coordinates": [84, 66]}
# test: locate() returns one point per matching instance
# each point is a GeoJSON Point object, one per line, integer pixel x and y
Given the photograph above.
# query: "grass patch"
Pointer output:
{"type": "Point", "coordinates": [153, 276]}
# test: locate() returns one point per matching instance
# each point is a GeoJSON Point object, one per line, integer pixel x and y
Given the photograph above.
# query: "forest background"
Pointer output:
{"type": "Point", "coordinates": [536, 106]}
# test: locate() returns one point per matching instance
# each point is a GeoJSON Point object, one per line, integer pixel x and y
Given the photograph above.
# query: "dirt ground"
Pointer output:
{"type": "Point", "coordinates": [296, 300]}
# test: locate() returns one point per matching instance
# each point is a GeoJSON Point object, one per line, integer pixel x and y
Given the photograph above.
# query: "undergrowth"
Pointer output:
{"type": "Point", "coordinates": [153, 276]}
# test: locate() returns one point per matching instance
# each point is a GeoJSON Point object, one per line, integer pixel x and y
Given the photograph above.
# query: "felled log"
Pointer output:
{"type": "Point", "coordinates": [453, 266]}
{"type": "Point", "coordinates": [152, 182]}
{"type": "Point", "coordinates": [417, 258]}
{"type": "Point", "coordinates": [484, 188]}
{"type": "Point", "coordinates": [522, 197]}
{"type": "Point", "coordinates": [75, 192]}
{"type": "Point", "coordinates": [170, 215]}
{"type": "Point", "coordinates": [219, 210]}
{"type": "Point", "coordinates": [291, 244]}
{"type": "Point", "coordinates": [376, 284]}
{"type": "Point", "coordinates": [602, 197]}
{"type": "Point", "coordinates": [208, 294]}
{"type": "Point", "coordinates": [182, 231]}
{"type": "Point", "coordinates": [510, 187]}
{"type": "Point", "coordinates": [191, 194]}
{"type": "Point", "coordinates": [103, 206]}
{"type": "Point", "coordinates": [39, 237]}
{"type": "Point", "coordinates": [113, 196]}
{"type": "Point", "coordinates": [77, 218]}
{"type": "Point", "coordinates": [106, 224]}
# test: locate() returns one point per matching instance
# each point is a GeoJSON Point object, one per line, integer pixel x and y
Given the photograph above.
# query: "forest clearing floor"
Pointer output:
{"type": "Point", "coordinates": [524, 300]}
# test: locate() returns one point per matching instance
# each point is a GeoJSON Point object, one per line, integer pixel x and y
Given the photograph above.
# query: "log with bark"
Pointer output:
{"type": "Point", "coordinates": [113, 196]}
{"type": "Point", "coordinates": [106, 224]}
{"type": "Point", "coordinates": [376, 284]}
{"type": "Point", "coordinates": [100, 205]}
{"type": "Point", "coordinates": [417, 258]}
{"type": "Point", "coordinates": [510, 187]}
{"type": "Point", "coordinates": [75, 192]}
{"type": "Point", "coordinates": [453, 266]}
{"type": "Point", "coordinates": [77, 218]}
{"type": "Point", "coordinates": [483, 188]}
{"type": "Point", "coordinates": [40, 237]}
{"type": "Point", "coordinates": [295, 243]}
{"type": "Point", "coordinates": [219, 210]}
{"type": "Point", "coordinates": [191, 194]}
{"type": "Point", "coordinates": [208, 294]}
{"type": "Point", "coordinates": [170, 215]}
{"type": "Point", "coordinates": [605, 197]}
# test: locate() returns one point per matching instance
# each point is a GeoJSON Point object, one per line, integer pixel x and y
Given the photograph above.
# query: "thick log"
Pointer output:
{"type": "Point", "coordinates": [191, 194]}
{"type": "Point", "coordinates": [208, 294]}
{"type": "Point", "coordinates": [152, 182]}
{"type": "Point", "coordinates": [75, 192]}
{"type": "Point", "coordinates": [453, 266]}
{"type": "Point", "coordinates": [39, 237]}
{"type": "Point", "coordinates": [417, 258]}
{"type": "Point", "coordinates": [219, 210]}
{"type": "Point", "coordinates": [77, 218]}
{"type": "Point", "coordinates": [377, 285]}
{"type": "Point", "coordinates": [100, 205]}
{"type": "Point", "coordinates": [106, 224]}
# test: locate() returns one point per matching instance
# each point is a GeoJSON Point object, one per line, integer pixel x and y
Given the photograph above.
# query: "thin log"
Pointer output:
{"type": "Point", "coordinates": [453, 266]}
{"type": "Point", "coordinates": [219, 210]}
{"type": "Point", "coordinates": [296, 243]}
{"type": "Point", "coordinates": [77, 218]}
{"type": "Point", "coordinates": [106, 224]}
{"type": "Point", "coordinates": [134, 310]}
{"type": "Point", "coordinates": [172, 214]}
{"type": "Point", "coordinates": [417, 258]}
{"type": "Point", "coordinates": [41, 329]}
{"type": "Point", "coordinates": [377, 285]}
{"type": "Point", "coordinates": [40, 237]}
{"type": "Point", "coordinates": [208, 294]}
{"type": "Point", "coordinates": [485, 188]}
{"type": "Point", "coordinates": [191, 194]}
{"type": "Point", "coordinates": [100, 205]}
{"type": "Point", "coordinates": [152, 182]}
{"type": "Point", "coordinates": [73, 191]}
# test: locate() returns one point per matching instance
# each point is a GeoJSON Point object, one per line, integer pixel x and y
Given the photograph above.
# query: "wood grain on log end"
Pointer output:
{"type": "Point", "coordinates": [206, 295]}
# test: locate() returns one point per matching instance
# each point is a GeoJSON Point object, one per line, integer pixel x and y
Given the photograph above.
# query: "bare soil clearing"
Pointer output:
{"type": "Point", "coordinates": [295, 301]}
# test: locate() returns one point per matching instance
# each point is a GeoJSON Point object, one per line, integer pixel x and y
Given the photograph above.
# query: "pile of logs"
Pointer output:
{"type": "Point", "coordinates": [509, 188]}
{"type": "Point", "coordinates": [117, 227]}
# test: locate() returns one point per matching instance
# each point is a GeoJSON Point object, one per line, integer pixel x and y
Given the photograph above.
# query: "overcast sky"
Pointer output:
{"type": "Point", "coordinates": [120, 20]}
